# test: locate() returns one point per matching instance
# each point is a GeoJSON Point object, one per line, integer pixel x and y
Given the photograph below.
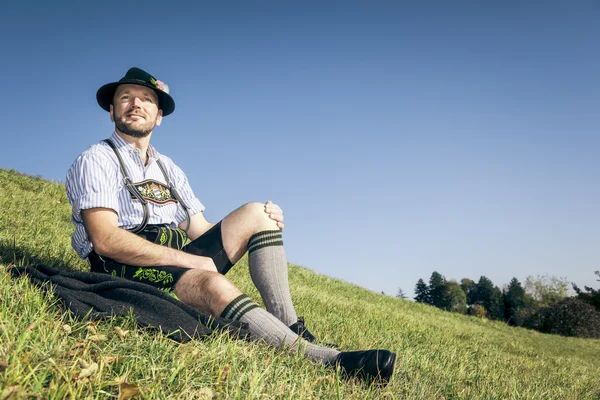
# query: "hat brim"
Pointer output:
{"type": "Point", "coordinates": [105, 95]}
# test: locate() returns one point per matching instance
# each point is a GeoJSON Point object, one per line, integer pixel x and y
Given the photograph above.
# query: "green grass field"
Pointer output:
{"type": "Point", "coordinates": [45, 354]}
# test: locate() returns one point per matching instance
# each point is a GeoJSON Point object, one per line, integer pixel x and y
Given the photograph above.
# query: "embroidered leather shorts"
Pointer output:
{"type": "Point", "coordinates": [210, 244]}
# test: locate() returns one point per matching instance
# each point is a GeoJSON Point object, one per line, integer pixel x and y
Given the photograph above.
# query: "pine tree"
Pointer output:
{"type": "Point", "coordinates": [401, 294]}
{"type": "Point", "coordinates": [490, 297]}
{"type": "Point", "coordinates": [514, 302]}
{"type": "Point", "coordinates": [497, 304]}
{"type": "Point", "coordinates": [468, 287]}
{"type": "Point", "coordinates": [422, 292]}
{"type": "Point", "coordinates": [437, 290]}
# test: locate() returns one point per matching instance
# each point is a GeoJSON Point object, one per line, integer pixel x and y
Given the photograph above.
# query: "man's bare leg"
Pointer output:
{"type": "Point", "coordinates": [250, 229]}
{"type": "Point", "coordinates": [206, 291]}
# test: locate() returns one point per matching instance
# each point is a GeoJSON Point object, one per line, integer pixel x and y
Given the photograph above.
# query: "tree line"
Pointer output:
{"type": "Point", "coordinates": [541, 303]}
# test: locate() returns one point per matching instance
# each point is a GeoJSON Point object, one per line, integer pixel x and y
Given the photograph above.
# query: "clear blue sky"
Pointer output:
{"type": "Point", "coordinates": [399, 140]}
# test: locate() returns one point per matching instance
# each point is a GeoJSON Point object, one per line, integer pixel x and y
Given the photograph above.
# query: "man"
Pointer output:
{"type": "Point", "coordinates": [136, 217]}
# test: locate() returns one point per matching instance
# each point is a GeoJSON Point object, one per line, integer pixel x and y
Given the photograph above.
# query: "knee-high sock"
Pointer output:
{"type": "Point", "coordinates": [269, 272]}
{"type": "Point", "coordinates": [265, 326]}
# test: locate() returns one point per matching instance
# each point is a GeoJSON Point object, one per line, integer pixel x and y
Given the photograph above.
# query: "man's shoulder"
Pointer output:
{"type": "Point", "coordinates": [100, 149]}
{"type": "Point", "coordinates": [98, 152]}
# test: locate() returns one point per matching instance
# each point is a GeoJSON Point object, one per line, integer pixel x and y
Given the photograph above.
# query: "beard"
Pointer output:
{"type": "Point", "coordinates": [137, 129]}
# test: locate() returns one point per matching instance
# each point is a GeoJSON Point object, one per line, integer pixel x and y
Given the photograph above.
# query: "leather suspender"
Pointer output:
{"type": "Point", "coordinates": [136, 193]}
{"type": "Point", "coordinates": [175, 195]}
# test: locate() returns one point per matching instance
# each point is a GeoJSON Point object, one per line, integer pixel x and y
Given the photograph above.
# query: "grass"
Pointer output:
{"type": "Point", "coordinates": [46, 354]}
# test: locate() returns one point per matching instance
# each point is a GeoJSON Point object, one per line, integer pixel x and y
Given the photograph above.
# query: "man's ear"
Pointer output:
{"type": "Point", "coordinates": [159, 117]}
{"type": "Point", "coordinates": [111, 112]}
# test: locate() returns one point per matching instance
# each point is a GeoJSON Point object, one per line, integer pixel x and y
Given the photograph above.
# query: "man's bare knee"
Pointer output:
{"type": "Point", "coordinates": [240, 225]}
{"type": "Point", "coordinates": [207, 291]}
{"type": "Point", "coordinates": [255, 212]}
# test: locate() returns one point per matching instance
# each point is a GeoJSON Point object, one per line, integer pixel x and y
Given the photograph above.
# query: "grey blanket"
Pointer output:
{"type": "Point", "coordinates": [92, 296]}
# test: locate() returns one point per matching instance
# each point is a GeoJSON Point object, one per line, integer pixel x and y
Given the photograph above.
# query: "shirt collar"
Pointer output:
{"type": "Point", "coordinates": [119, 142]}
{"type": "Point", "coordinates": [152, 154]}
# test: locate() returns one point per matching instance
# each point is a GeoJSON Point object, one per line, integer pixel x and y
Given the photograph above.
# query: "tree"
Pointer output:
{"type": "Point", "coordinates": [568, 317]}
{"type": "Point", "coordinates": [488, 296]}
{"type": "Point", "coordinates": [477, 310]}
{"type": "Point", "coordinates": [401, 294]}
{"type": "Point", "coordinates": [514, 302]}
{"type": "Point", "coordinates": [467, 286]}
{"type": "Point", "coordinates": [546, 289]}
{"type": "Point", "coordinates": [497, 304]}
{"type": "Point", "coordinates": [455, 298]}
{"type": "Point", "coordinates": [422, 292]}
{"type": "Point", "coordinates": [437, 289]}
{"type": "Point", "coordinates": [591, 296]}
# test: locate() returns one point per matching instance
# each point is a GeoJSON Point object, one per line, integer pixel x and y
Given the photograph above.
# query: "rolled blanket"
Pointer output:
{"type": "Point", "coordinates": [92, 296]}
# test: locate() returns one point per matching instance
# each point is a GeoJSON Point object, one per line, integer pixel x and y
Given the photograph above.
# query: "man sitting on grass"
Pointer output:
{"type": "Point", "coordinates": [136, 217]}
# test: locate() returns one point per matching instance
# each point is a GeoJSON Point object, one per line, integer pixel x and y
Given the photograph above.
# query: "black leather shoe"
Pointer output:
{"type": "Point", "coordinates": [299, 329]}
{"type": "Point", "coordinates": [370, 365]}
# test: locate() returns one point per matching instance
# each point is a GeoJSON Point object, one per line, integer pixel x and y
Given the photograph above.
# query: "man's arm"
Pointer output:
{"type": "Point", "coordinates": [101, 225]}
{"type": "Point", "coordinates": [199, 225]}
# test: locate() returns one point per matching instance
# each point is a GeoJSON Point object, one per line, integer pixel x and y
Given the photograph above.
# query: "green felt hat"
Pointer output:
{"type": "Point", "coordinates": [137, 76]}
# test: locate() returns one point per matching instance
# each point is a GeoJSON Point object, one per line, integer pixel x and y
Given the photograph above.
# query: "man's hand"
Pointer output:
{"type": "Point", "coordinates": [204, 263]}
{"type": "Point", "coordinates": [275, 213]}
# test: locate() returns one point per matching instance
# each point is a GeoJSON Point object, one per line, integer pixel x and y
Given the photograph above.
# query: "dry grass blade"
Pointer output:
{"type": "Point", "coordinates": [91, 328]}
{"type": "Point", "coordinates": [111, 359]}
{"type": "Point", "coordinates": [98, 338]}
{"type": "Point", "coordinates": [30, 326]}
{"type": "Point", "coordinates": [224, 374]}
{"type": "Point", "coordinates": [206, 393]}
{"type": "Point", "coordinates": [89, 371]}
{"type": "Point", "coordinates": [128, 390]}
{"type": "Point", "coordinates": [121, 332]}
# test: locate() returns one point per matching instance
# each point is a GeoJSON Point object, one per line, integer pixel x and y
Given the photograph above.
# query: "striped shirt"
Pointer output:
{"type": "Point", "coordinates": [95, 180]}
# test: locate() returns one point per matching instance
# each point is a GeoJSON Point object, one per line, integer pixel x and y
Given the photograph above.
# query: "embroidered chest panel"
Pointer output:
{"type": "Point", "coordinates": [154, 192]}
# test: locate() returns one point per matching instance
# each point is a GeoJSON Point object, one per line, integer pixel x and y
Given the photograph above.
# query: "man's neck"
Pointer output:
{"type": "Point", "coordinates": [140, 143]}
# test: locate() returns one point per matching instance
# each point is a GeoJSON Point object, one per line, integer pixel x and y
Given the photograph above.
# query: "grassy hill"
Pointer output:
{"type": "Point", "coordinates": [46, 354]}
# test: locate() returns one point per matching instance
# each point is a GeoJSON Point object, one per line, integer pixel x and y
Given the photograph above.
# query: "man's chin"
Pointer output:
{"type": "Point", "coordinates": [133, 131]}
{"type": "Point", "coordinates": [137, 134]}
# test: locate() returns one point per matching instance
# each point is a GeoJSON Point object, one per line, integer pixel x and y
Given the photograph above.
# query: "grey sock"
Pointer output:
{"type": "Point", "coordinates": [269, 272]}
{"type": "Point", "coordinates": [265, 326]}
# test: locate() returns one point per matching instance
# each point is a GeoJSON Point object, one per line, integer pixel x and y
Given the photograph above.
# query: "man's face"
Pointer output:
{"type": "Point", "coordinates": [135, 110]}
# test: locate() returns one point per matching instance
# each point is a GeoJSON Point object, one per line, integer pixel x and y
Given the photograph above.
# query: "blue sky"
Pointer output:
{"type": "Point", "coordinates": [398, 139]}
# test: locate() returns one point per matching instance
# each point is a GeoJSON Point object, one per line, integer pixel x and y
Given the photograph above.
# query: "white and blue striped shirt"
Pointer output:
{"type": "Point", "coordinates": [95, 180]}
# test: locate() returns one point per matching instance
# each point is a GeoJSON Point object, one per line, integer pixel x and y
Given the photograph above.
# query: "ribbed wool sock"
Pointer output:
{"type": "Point", "coordinates": [269, 271]}
{"type": "Point", "coordinates": [265, 326]}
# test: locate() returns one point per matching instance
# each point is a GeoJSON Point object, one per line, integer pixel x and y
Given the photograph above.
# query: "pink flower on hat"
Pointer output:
{"type": "Point", "coordinates": [160, 85]}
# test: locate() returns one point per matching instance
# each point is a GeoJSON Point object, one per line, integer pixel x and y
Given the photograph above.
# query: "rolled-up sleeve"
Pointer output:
{"type": "Point", "coordinates": [186, 193]}
{"type": "Point", "coordinates": [92, 181]}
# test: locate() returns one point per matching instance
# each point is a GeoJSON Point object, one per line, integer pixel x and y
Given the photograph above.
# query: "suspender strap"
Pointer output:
{"type": "Point", "coordinates": [175, 194]}
{"type": "Point", "coordinates": [132, 189]}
